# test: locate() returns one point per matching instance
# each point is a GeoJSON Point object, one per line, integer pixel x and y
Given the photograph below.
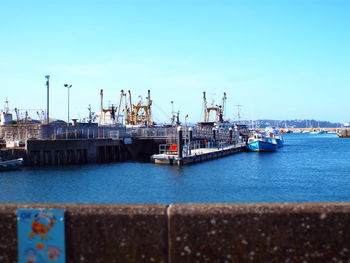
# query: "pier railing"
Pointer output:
{"type": "Point", "coordinates": [189, 146]}
{"type": "Point", "coordinates": [56, 132]}
{"type": "Point", "coordinates": [156, 132]}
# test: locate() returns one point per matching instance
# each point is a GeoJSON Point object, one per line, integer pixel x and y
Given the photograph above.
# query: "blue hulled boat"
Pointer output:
{"type": "Point", "coordinates": [11, 164]}
{"type": "Point", "coordinates": [258, 142]}
{"type": "Point", "coordinates": [274, 133]}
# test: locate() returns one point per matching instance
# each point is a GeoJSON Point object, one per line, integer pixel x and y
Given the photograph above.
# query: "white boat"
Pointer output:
{"type": "Point", "coordinates": [11, 164]}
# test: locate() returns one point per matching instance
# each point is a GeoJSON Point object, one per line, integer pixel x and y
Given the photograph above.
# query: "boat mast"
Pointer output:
{"type": "Point", "coordinates": [205, 107]}
{"type": "Point", "coordinates": [102, 114]}
{"type": "Point", "coordinates": [131, 116]}
{"type": "Point", "coordinates": [149, 103]}
{"type": "Point", "coordinates": [120, 104]}
{"type": "Point", "coordinates": [127, 117]}
{"type": "Point", "coordinates": [222, 108]}
{"type": "Point", "coordinates": [6, 107]}
{"type": "Point", "coordinates": [238, 113]}
{"type": "Point", "coordinates": [101, 100]}
{"type": "Point", "coordinates": [90, 114]}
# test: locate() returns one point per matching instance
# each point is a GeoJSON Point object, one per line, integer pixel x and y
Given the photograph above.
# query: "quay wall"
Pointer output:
{"type": "Point", "coordinates": [75, 151]}
{"type": "Point", "coordinates": [82, 151]}
{"type": "Point", "coordinates": [217, 232]}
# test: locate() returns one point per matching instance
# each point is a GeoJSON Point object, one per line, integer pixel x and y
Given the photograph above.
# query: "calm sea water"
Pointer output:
{"type": "Point", "coordinates": [308, 168]}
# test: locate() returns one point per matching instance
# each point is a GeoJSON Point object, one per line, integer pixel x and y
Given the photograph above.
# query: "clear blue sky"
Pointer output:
{"type": "Point", "coordinates": [280, 59]}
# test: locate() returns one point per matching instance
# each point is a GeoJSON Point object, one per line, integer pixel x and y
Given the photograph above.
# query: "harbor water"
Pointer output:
{"type": "Point", "coordinates": [309, 168]}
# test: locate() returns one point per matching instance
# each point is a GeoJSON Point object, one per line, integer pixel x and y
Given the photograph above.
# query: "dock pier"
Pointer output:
{"type": "Point", "coordinates": [193, 149]}
{"type": "Point", "coordinates": [198, 155]}
{"type": "Point", "coordinates": [47, 145]}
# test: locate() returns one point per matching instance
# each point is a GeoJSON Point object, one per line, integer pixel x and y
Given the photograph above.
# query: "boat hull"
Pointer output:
{"type": "Point", "coordinates": [11, 165]}
{"type": "Point", "coordinates": [261, 146]}
{"type": "Point", "coordinates": [280, 142]}
{"type": "Point", "coordinates": [343, 134]}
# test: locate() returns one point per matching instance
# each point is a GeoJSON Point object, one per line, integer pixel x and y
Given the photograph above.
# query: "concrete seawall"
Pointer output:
{"type": "Point", "coordinates": [271, 232]}
{"type": "Point", "coordinates": [82, 151]}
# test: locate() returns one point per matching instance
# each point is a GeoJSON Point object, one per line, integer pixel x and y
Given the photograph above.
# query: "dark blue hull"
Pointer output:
{"type": "Point", "coordinates": [280, 142]}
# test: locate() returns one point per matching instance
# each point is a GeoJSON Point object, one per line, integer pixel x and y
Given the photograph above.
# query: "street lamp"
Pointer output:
{"type": "Point", "coordinates": [68, 87]}
{"type": "Point", "coordinates": [48, 103]}
{"type": "Point", "coordinates": [172, 107]}
{"type": "Point", "coordinates": [172, 113]}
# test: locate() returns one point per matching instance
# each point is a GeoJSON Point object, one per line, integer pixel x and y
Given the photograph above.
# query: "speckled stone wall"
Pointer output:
{"type": "Point", "coordinates": [279, 232]}
{"type": "Point", "coordinates": [291, 232]}
{"type": "Point", "coordinates": [98, 233]}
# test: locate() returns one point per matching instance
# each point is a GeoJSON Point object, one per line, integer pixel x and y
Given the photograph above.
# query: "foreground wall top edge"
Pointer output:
{"type": "Point", "coordinates": [151, 209]}
{"type": "Point", "coordinates": [246, 208]}
{"type": "Point", "coordinates": [190, 207]}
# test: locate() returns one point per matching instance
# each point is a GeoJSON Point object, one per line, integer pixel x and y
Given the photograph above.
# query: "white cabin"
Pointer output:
{"type": "Point", "coordinates": [5, 118]}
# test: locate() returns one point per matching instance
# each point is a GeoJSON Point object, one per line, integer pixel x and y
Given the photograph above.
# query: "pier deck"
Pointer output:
{"type": "Point", "coordinates": [198, 155]}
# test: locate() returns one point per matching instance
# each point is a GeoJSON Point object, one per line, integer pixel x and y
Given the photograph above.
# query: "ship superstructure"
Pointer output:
{"type": "Point", "coordinates": [127, 112]}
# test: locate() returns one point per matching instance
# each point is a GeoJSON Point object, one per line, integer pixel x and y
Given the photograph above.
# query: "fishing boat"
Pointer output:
{"type": "Point", "coordinates": [274, 133]}
{"type": "Point", "coordinates": [343, 133]}
{"type": "Point", "coordinates": [318, 131]}
{"type": "Point", "coordinates": [11, 164]}
{"type": "Point", "coordinates": [258, 142]}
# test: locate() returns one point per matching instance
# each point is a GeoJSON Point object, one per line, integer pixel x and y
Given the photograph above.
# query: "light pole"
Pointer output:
{"type": "Point", "coordinates": [48, 100]}
{"type": "Point", "coordinates": [68, 87]}
{"type": "Point", "coordinates": [172, 108]}
{"type": "Point", "coordinates": [172, 113]}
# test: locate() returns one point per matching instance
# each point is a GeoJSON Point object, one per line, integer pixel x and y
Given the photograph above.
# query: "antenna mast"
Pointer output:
{"type": "Point", "coordinates": [239, 112]}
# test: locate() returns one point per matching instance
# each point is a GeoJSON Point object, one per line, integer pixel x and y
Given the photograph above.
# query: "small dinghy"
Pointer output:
{"type": "Point", "coordinates": [11, 164]}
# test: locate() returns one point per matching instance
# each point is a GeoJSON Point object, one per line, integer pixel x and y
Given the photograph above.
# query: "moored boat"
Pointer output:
{"type": "Point", "coordinates": [258, 142]}
{"type": "Point", "coordinates": [318, 131]}
{"type": "Point", "coordinates": [343, 133]}
{"type": "Point", "coordinates": [11, 164]}
{"type": "Point", "coordinates": [274, 133]}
